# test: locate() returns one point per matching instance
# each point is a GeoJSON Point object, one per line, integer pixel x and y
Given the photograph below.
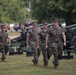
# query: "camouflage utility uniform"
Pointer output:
{"type": "Point", "coordinates": [33, 43]}
{"type": "Point", "coordinates": [3, 44]}
{"type": "Point", "coordinates": [55, 43]}
{"type": "Point", "coordinates": [42, 35]}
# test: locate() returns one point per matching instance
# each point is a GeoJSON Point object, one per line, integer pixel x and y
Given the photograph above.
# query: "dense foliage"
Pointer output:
{"type": "Point", "coordinates": [48, 9]}
{"type": "Point", "coordinates": [16, 10]}
{"type": "Point", "coordinates": [12, 11]}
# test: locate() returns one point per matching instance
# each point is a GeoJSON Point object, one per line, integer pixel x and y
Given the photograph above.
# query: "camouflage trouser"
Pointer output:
{"type": "Point", "coordinates": [35, 52]}
{"type": "Point", "coordinates": [6, 49]}
{"type": "Point", "coordinates": [53, 49]}
{"type": "Point", "coordinates": [44, 52]}
{"type": "Point", "coordinates": [2, 49]}
{"type": "Point", "coordinates": [60, 50]}
{"type": "Point", "coordinates": [39, 52]}
{"type": "Point", "coordinates": [48, 53]}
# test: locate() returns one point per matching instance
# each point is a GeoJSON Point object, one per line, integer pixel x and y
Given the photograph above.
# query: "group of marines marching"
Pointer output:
{"type": "Point", "coordinates": [49, 41]}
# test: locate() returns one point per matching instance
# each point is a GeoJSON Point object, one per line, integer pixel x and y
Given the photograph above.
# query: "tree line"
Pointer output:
{"type": "Point", "coordinates": [41, 10]}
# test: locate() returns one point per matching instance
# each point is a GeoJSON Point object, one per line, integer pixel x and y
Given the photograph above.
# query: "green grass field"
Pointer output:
{"type": "Point", "coordinates": [22, 65]}
{"type": "Point", "coordinates": [13, 34]}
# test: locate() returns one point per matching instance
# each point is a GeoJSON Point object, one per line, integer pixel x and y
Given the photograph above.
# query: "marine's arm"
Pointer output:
{"type": "Point", "coordinates": [46, 40]}
{"type": "Point", "coordinates": [64, 38]}
{"type": "Point", "coordinates": [27, 39]}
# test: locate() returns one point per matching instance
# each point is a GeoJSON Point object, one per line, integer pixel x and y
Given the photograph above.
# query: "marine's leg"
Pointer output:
{"type": "Point", "coordinates": [44, 52]}
{"type": "Point", "coordinates": [39, 52]}
{"type": "Point", "coordinates": [60, 50]}
{"type": "Point", "coordinates": [6, 49]}
{"type": "Point", "coordinates": [55, 53]}
{"type": "Point", "coordinates": [3, 54]}
{"type": "Point", "coordinates": [35, 58]}
{"type": "Point", "coordinates": [49, 52]}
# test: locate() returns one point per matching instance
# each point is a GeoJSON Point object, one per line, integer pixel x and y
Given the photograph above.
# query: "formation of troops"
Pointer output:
{"type": "Point", "coordinates": [49, 41]}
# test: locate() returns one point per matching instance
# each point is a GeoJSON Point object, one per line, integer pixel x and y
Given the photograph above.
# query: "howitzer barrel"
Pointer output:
{"type": "Point", "coordinates": [1, 44]}
{"type": "Point", "coordinates": [71, 26]}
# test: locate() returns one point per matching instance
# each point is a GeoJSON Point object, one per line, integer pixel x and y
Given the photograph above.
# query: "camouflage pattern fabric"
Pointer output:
{"type": "Point", "coordinates": [33, 43]}
{"type": "Point", "coordinates": [42, 35]}
{"type": "Point", "coordinates": [55, 43]}
{"type": "Point", "coordinates": [3, 44]}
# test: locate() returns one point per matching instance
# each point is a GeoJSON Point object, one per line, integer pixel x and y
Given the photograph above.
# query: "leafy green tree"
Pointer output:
{"type": "Point", "coordinates": [12, 11]}
{"type": "Point", "coordinates": [48, 9]}
{"type": "Point", "coordinates": [39, 10]}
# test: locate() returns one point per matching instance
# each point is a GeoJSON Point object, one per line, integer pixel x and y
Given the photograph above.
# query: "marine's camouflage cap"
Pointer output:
{"type": "Point", "coordinates": [34, 24]}
{"type": "Point", "coordinates": [45, 24]}
{"type": "Point", "coordinates": [55, 20]}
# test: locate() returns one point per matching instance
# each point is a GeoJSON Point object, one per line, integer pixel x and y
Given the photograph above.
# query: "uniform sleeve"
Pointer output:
{"type": "Point", "coordinates": [29, 32]}
{"type": "Point", "coordinates": [47, 35]}
{"type": "Point", "coordinates": [63, 29]}
{"type": "Point", "coordinates": [49, 31]}
{"type": "Point", "coordinates": [6, 35]}
{"type": "Point", "coordinates": [39, 34]}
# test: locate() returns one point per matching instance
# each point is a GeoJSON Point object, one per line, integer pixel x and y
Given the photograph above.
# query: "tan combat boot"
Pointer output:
{"type": "Point", "coordinates": [3, 59]}
{"type": "Point", "coordinates": [35, 62]}
{"type": "Point", "coordinates": [57, 67]}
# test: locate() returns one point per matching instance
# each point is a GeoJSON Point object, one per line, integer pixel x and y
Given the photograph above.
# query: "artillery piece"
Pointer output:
{"type": "Point", "coordinates": [70, 47]}
{"type": "Point", "coordinates": [17, 43]}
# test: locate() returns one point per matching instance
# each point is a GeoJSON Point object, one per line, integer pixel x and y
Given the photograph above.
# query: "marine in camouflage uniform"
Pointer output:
{"type": "Point", "coordinates": [43, 36]}
{"type": "Point", "coordinates": [3, 43]}
{"type": "Point", "coordinates": [32, 42]}
{"type": "Point", "coordinates": [56, 37]}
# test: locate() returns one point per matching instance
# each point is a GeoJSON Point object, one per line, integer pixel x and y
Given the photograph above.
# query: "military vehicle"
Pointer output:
{"type": "Point", "coordinates": [71, 35]}
{"type": "Point", "coordinates": [70, 48]}
{"type": "Point", "coordinates": [17, 43]}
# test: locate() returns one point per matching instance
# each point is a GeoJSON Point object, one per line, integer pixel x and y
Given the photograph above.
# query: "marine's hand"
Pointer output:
{"type": "Point", "coordinates": [64, 43]}
{"type": "Point", "coordinates": [27, 45]}
{"type": "Point", "coordinates": [9, 44]}
{"type": "Point", "coordinates": [38, 46]}
{"type": "Point", "coordinates": [46, 46]}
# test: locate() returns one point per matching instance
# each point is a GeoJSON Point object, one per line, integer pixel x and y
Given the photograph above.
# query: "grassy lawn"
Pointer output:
{"type": "Point", "coordinates": [22, 65]}
{"type": "Point", "coordinates": [13, 34]}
